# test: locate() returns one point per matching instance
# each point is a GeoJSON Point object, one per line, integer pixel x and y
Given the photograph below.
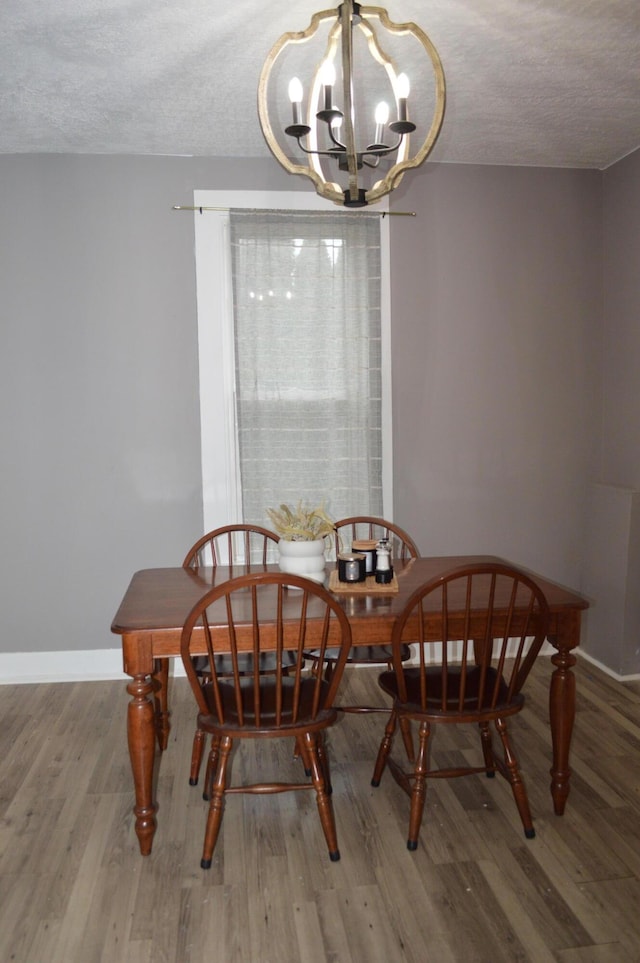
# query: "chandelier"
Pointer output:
{"type": "Point", "coordinates": [339, 129]}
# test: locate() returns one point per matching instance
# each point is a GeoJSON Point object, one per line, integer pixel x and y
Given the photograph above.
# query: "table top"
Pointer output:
{"type": "Point", "coordinates": [158, 600]}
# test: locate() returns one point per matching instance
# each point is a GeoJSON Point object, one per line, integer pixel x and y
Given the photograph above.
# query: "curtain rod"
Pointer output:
{"type": "Point", "coordinates": [202, 209]}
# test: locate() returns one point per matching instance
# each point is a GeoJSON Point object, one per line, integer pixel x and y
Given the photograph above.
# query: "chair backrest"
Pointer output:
{"type": "Point", "coordinates": [370, 527]}
{"type": "Point", "coordinates": [265, 612]}
{"type": "Point", "coordinates": [233, 545]}
{"type": "Point", "coordinates": [479, 630]}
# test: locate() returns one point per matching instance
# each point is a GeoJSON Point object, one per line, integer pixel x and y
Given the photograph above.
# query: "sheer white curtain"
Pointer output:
{"type": "Point", "coordinates": [307, 305]}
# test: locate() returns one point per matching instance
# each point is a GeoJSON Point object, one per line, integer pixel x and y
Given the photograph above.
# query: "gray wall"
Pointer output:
{"type": "Point", "coordinates": [496, 314]}
{"type": "Point", "coordinates": [611, 573]}
{"type": "Point", "coordinates": [98, 381]}
{"type": "Point", "coordinates": [619, 446]}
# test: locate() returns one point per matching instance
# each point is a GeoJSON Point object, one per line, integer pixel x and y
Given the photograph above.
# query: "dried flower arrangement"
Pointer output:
{"type": "Point", "coordinates": [301, 524]}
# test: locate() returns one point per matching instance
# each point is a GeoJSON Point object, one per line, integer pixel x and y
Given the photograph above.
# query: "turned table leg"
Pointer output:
{"type": "Point", "coordinates": [141, 734]}
{"type": "Point", "coordinates": [161, 700]}
{"type": "Point", "coordinates": [562, 707]}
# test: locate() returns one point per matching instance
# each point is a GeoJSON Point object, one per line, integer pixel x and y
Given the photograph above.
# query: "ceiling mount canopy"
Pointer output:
{"type": "Point", "coordinates": [368, 108]}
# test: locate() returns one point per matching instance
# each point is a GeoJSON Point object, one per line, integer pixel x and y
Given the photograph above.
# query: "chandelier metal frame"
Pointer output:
{"type": "Point", "coordinates": [341, 140]}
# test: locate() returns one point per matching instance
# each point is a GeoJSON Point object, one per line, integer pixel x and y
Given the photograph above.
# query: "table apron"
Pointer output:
{"type": "Point", "coordinates": [140, 649]}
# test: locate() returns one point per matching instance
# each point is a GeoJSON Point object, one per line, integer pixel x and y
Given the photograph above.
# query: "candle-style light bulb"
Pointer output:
{"type": "Point", "coordinates": [328, 79]}
{"type": "Point", "coordinates": [382, 113]}
{"type": "Point", "coordinates": [328, 73]}
{"type": "Point", "coordinates": [381, 118]}
{"type": "Point", "coordinates": [295, 96]}
{"type": "Point", "coordinates": [295, 90]}
{"type": "Point", "coordinates": [403, 88]}
{"type": "Point", "coordinates": [336, 123]}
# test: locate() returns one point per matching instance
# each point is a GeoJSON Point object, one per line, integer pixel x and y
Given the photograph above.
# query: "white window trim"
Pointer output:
{"type": "Point", "coordinates": [222, 503]}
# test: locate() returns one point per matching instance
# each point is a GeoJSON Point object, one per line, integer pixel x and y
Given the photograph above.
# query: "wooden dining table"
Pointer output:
{"type": "Point", "coordinates": [158, 600]}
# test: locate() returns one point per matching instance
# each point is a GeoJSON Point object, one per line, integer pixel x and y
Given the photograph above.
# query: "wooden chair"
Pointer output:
{"type": "Point", "coordinates": [403, 547]}
{"type": "Point", "coordinates": [236, 546]}
{"type": "Point", "coordinates": [348, 530]}
{"type": "Point", "coordinates": [253, 613]}
{"type": "Point", "coordinates": [498, 618]}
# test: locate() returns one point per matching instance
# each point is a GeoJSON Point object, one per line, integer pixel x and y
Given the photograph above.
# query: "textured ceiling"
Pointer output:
{"type": "Point", "coordinates": [534, 82]}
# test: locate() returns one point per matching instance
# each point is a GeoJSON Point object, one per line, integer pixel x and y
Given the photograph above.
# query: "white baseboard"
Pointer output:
{"type": "Point", "coordinates": [87, 665]}
{"type": "Point", "coordinates": [633, 677]}
{"type": "Point", "coordinates": [96, 665]}
{"type": "Point", "coordinates": [83, 665]}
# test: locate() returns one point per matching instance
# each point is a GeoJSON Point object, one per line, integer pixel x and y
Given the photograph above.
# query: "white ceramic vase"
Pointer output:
{"type": "Point", "coordinates": [303, 558]}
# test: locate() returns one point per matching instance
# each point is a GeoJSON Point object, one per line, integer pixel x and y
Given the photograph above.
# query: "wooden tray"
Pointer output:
{"type": "Point", "coordinates": [368, 587]}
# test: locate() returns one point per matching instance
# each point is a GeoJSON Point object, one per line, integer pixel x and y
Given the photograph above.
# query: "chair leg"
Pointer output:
{"type": "Point", "coordinates": [212, 765]}
{"type": "Point", "coordinates": [324, 761]}
{"type": "Point", "coordinates": [196, 756]}
{"type": "Point", "coordinates": [419, 792]}
{"type": "Point", "coordinates": [216, 807]}
{"type": "Point", "coordinates": [328, 671]}
{"type": "Point", "coordinates": [385, 748]}
{"type": "Point", "coordinates": [515, 779]}
{"type": "Point", "coordinates": [301, 752]}
{"type": "Point", "coordinates": [407, 738]}
{"type": "Point", "coordinates": [487, 749]}
{"type": "Point", "coordinates": [323, 799]}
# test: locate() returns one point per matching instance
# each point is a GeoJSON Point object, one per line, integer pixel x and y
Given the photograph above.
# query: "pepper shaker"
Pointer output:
{"type": "Point", "coordinates": [384, 569]}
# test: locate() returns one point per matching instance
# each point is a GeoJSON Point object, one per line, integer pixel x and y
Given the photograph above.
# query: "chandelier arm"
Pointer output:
{"type": "Point", "coordinates": [379, 152]}
{"type": "Point", "coordinates": [317, 152]}
{"type": "Point", "coordinates": [382, 149]}
{"type": "Point", "coordinates": [335, 140]}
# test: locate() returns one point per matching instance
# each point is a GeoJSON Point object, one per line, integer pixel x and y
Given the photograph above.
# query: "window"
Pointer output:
{"type": "Point", "coordinates": [294, 356]}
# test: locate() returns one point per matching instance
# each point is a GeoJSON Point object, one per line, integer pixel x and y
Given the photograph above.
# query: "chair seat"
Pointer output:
{"type": "Point", "coordinates": [389, 683]}
{"type": "Point", "coordinates": [267, 662]}
{"type": "Point", "coordinates": [364, 654]}
{"type": "Point", "coordinates": [268, 689]}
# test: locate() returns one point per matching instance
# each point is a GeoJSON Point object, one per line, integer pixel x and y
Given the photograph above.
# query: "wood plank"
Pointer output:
{"type": "Point", "coordinates": [74, 886]}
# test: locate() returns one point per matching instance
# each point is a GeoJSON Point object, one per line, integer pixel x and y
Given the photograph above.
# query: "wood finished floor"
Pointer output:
{"type": "Point", "coordinates": [74, 888]}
